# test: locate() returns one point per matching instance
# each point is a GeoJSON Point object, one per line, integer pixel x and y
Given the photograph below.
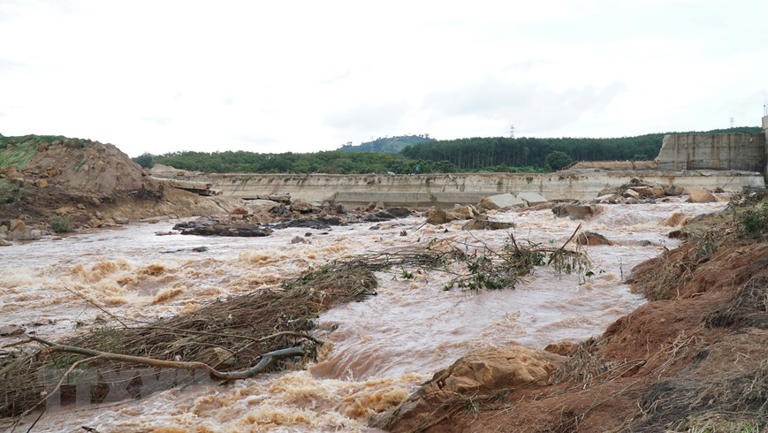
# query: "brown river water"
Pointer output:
{"type": "Point", "coordinates": [380, 350]}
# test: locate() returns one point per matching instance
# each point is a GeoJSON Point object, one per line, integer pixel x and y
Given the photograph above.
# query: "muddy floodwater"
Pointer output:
{"type": "Point", "coordinates": [379, 350]}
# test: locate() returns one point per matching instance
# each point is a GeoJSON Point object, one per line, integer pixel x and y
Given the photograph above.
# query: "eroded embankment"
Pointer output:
{"type": "Point", "coordinates": [694, 358]}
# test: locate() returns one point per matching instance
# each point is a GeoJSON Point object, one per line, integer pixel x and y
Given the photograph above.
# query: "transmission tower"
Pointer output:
{"type": "Point", "coordinates": [512, 131]}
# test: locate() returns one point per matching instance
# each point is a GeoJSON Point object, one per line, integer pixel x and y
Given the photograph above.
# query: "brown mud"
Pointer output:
{"type": "Point", "coordinates": [695, 358]}
{"type": "Point", "coordinates": [92, 185]}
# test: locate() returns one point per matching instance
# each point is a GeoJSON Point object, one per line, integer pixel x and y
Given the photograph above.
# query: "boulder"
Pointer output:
{"type": "Point", "coordinates": [17, 226]}
{"type": "Point", "coordinates": [592, 239]}
{"type": "Point", "coordinates": [4, 243]}
{"type": "Point", "coordinates": [576, 211]}
{"type": "Point", "coordinates": [10, 330]}
{"type": "Point", "coordinates": [531, 198]}
{"type": "Point", "coordinates": [631, 193]}
{"type": "Point", "coordinates": [676, 219]}
{"type": "Point", "coordinates": [500, 201]}
{"type": "Point", "coordinates": [495, 366]}
{"type": "Point", "coordinates": [673, 190]}
{"type": "Point", "coordinates": [563, 348]}
{"type": "Point", "coordinates": [302, 206]}
{"type": "Point", "coordinates": [700, 195]}
{"type": "Point", "coordinates": [399, 212]}
{"type": "Point", "coordinates": [483, 224]}
{"type": "Point", "coordinates": [647, 191]}
{"type": "Point", "coordinates": [64, 210]}
{"type": "Point", "coordinates": [41, 183]}
{"type": "Point", "coordinates": [436, 216]}
{"type": "Point", "coordinates": [462, 212]}
{"type": "Point", "coordinates": [607, 198]}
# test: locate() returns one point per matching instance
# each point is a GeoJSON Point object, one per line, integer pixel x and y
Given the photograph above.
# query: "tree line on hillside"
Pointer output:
{"type": "Point", "coordinates": [318, 162]}
{"type": "Point", "coordinates": [499, 154]}
{"type": "Point", "coordinates": [477, 153]}
{"type": "Point", "coordinates": [387, 144]}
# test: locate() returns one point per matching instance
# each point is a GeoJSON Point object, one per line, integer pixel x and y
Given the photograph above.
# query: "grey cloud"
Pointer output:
{"type": "Point", "coordinates": [532, 106]}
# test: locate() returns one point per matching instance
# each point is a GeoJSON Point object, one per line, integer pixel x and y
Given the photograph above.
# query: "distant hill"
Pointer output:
{"type": "Point", "coordinates": [388, 144]}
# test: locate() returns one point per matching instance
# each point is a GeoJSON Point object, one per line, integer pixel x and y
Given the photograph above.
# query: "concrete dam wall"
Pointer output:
{"type": "Point", "coordinates": [713, 151]}
{"type": "Point", "coordinates": [729, 162]}
{"type": "Point", "coordinates": [448, 189]}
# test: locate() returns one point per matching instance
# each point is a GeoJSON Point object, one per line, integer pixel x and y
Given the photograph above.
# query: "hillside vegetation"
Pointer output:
{"type": "Point", "coordinates": [422, 154]}
{"type": "Point", "coordinates": [388, 144]}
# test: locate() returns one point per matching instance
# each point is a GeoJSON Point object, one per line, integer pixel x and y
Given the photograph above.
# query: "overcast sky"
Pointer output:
{"type": "Point", "coordinates": [274, 76]}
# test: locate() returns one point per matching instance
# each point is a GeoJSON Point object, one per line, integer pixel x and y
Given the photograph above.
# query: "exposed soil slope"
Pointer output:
{"type": "Point", "coordinates": [86, 181]}
{"type": "Point", "coordinates": [693, 358]}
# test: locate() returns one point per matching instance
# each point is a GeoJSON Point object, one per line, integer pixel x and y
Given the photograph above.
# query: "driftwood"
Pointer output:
{"type": "Point", "coordinates": [264, 362]}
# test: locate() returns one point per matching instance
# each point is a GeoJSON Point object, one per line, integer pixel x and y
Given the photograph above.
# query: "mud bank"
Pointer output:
{"type": "Point", "coordinates": [85, 184]}
{"type": "Point", "coordinates": [692, 359]}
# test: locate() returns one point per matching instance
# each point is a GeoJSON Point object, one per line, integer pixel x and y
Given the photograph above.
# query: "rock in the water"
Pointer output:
{"type": "Point", "coordinates": [483, 224]}
{"type": "Point", "coordinates": [673, 190]}
{"type": "Point", "coordinates": [4, 243]}
{"type": "Point", "coordinates": [576, 211]}
{"type": "Point", "coordinates": [592, 239]}
{"type": "Point", "coordinates": [631, 193]}
{"type": "Point", "coordinates": [700, 195]}
{"type": "Point", "coordinates": [379, 216]}
{"type": "Point", "coordinates": [10, 330]}
{"type": "Point", "coordinates": [532, 198]}
{"type": "Point", "coordinates": [215, 228]}
{"type": "Point", "coordinates": [676, 219]}
{"type": "Point", "coordinates": [320, 223]}
{"type": "Point", "coordinates": [299, 240]}
{"type": "Point", "coordinates": [500, 201]}
{"type": "Point", "coordinates": [462, 212]}
{"type": "Point", "coordinates": [437, 216]}
{"type": "Point", "coordinates": [399, 212]}
{"type": "Point", "coordinates": [302, 206]}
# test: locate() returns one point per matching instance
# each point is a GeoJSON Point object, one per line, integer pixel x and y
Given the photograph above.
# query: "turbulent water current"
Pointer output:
{"type": "Point", "coordinates": [380, 350]}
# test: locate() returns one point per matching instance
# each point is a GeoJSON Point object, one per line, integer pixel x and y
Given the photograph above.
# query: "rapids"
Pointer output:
{"type": "Point", "coordinates": [380, 350]}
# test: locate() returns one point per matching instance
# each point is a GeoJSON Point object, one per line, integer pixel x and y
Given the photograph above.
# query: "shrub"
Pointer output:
{"type": "Point", "coordinates": [60, 224]}
{"type": "Point", "coordinates": [754, 221]}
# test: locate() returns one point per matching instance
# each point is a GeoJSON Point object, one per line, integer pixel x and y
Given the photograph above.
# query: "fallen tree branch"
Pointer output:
{"type": "Point", "coordinates": [562, 247]}
{"type": "Point", "coordinates": [266, 360]}
{"type": "Point", "coordinates": [48, 394]}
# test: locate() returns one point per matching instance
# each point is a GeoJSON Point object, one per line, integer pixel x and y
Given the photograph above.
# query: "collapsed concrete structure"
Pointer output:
{"type": "Point", "coordinates": [746, 152]}
{"type": "Point", "coordinates": [729, 162]}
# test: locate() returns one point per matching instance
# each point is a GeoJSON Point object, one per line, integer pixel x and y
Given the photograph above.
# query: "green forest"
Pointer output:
{"type": "Point", "coordinates": [421, 154]}
{"type": "Point", "coordinates": [388, 144]}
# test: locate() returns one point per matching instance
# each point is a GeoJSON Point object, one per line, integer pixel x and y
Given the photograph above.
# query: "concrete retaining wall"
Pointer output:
{"type": "Point", "coordinates": [447, 189]}
{"type": "Point", "coordinates": [713, 151]}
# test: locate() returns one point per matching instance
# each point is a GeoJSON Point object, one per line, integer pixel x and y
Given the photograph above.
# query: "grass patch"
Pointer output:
{"type": "Point", "coordinates": [18, 155]}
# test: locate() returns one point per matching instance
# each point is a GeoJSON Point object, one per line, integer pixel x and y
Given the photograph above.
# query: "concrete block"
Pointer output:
{"type": "Point", "coordinates": [532, 198]}
{"type": "Point", "coordinates": [501, 201]}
